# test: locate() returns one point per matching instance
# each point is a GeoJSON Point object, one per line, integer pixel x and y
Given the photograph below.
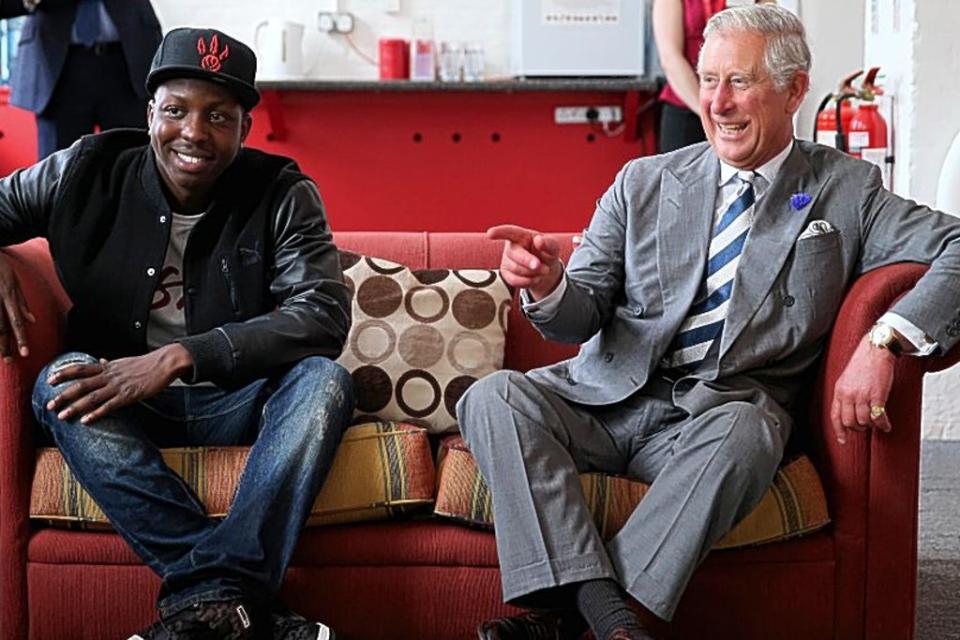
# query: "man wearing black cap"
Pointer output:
{"type": "Point", "coordinates": [208, 306]}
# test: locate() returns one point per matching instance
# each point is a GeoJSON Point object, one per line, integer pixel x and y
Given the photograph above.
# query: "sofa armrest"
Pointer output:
{"type": "Point", "coordinates": [872, 482]}
{"type": "Point", "coordinates": [49, 304]}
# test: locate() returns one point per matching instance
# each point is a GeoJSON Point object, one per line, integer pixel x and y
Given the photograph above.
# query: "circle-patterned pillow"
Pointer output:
{"type": "Point", "coordinates": [420, 338]}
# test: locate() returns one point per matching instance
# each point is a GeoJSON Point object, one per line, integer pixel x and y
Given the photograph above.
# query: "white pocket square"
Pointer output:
{"type": "Point", "coordinates": [817, 228]}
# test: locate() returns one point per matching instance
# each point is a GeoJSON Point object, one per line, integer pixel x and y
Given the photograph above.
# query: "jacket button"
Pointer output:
{"type": "Point", "coordinates": [191, 291]}
{"type": "Point", "coordinates": [163, 219]}
{"type": "Point", "coordinates": [151, 271]}
{"type": "Point", "coordinates": [137, 324]}
{"type": "Point", "coordinates": [608, 356]}
{"type": "Point", "coordinates": [788, 301]}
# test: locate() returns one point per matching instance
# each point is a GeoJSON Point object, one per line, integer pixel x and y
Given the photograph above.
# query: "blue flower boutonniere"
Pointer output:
{"type": "Point", "coordinates": [800, 200]}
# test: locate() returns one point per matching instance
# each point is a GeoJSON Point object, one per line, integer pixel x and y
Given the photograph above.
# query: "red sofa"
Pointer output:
{"type": "Point", "coordinates": [429, 579]}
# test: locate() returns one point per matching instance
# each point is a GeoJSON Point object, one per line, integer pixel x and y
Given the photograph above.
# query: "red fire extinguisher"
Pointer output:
{"type": "Point", "coordinates": [827, 130]}
{"type": "Point", "coordinates": [868, 130]}
{"type": "Point", "coordinates": [861, 131]}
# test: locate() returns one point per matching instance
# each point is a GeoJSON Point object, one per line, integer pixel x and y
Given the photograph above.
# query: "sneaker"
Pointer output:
{"type": "Point", "coordinates": [288, 625]}
{"type": "Point", "coordinates": [228, 620]}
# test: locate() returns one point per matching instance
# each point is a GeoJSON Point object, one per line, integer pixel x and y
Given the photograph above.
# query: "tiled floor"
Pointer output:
{"type": "Point", "coordinates": [938, 607]}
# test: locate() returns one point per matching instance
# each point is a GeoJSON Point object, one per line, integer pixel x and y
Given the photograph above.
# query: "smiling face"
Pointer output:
{"type": "Point", "coordinates": [196, 129]}
{"type": "Point", "coordinates": [746, 118]}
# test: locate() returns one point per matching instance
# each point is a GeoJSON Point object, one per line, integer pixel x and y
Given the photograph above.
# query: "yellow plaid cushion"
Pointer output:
{"type": "Point", "coordinates": [794, 504]}
{"type": "Point", "coordinates": [381, 470]}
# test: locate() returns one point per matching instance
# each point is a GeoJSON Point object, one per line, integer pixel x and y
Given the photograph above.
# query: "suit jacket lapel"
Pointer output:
{"type": "Point", "coordinates": [684, 227]}
{"type": "Point", "coordinates": [772, 237]}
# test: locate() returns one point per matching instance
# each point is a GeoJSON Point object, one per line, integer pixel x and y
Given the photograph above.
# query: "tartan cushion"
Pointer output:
{"type": "Point", "coordinates": [795, 503]}
{"type": "Point", "coordinates": [420, 337]}
{"type": "Point", "coordinates": [381, 470]}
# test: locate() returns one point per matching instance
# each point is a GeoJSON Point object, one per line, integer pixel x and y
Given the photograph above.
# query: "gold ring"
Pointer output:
{"type": "Point", "coordinates": [877, 410]}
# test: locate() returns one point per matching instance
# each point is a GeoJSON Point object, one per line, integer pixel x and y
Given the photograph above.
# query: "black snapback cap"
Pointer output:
{"type": "Point", "coordinates": [206, 54]}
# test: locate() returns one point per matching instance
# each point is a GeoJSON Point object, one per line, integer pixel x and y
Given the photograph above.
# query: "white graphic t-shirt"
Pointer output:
{"type": "Point", "coordinates": [167, 321]}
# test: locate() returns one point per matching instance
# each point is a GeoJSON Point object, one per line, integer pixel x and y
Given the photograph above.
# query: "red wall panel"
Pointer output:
{"type": "Point", "coordinates": [449, 161]}
{"type": "Point", "coordinates": [429, 160]}
{"type": "Point", "coordinates": [18, 136]}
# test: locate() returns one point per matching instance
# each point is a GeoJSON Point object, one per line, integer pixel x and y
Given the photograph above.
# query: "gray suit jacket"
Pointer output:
{"type": "Point", "coordinates": [641, 262]}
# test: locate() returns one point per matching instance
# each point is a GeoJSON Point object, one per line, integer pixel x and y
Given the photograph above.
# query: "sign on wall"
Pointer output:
{"type": "Point", "coordinates": [579, 12]}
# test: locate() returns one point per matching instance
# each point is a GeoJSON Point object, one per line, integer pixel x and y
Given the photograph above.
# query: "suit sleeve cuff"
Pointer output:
{"type": "Point", "coordinates": [545, 307]}
{"type": "Point", "coordinates": [923, 345]}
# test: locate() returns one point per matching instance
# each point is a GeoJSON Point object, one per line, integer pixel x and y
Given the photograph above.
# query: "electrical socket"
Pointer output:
{"type": "Point", "coordinates": [580, 115]}
{"type": "Point", "coordinates": [335, 21]}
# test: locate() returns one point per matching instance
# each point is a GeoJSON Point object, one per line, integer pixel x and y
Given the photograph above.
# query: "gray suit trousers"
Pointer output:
{"type": "Point", "coordinates": [705, 472]}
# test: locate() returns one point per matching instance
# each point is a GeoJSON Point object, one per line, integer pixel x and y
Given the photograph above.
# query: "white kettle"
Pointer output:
{"type": "Point", "coordinates": [279, 45]}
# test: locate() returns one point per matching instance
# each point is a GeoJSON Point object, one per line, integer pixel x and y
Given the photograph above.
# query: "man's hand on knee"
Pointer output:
{"type": "Point", "coordinates": [105, 386]}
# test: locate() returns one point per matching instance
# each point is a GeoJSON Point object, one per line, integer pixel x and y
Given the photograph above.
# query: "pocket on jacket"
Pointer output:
{"type": "Point", "coordinates": [813, 286]}
{"type": "Point", "coordinates": [817, 244]}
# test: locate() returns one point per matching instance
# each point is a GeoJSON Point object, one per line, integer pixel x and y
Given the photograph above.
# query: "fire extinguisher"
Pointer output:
{"type": "Point", "coordinates": [828, 130]}
{"type": "Point", "coordinates": [868, 130]}
{"type": "Point", "coordinates": [860, 131]}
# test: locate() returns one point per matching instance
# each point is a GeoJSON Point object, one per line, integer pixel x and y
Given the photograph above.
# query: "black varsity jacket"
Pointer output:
{"type": "Point", "coordinates": [262, 281]}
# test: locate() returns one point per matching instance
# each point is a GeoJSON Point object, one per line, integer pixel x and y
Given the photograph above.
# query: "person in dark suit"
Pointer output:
{"type": "Point", "coordinates": [703, 291]}
{"type": "Point", "coordinates": [82, 64]}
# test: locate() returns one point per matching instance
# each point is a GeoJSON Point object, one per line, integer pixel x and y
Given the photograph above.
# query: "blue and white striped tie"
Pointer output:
{"type": "Point", "coordinates": [704, 322]}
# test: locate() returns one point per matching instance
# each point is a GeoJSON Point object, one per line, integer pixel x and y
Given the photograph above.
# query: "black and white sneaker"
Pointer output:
{"type": "Point", "coordinates": [288, 625]}
{"type": "Point", "coordinates": [228, 620]}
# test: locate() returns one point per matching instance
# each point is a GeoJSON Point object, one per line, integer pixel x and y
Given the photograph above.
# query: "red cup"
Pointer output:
{"type": "Point", "coordinates": [394, 59]}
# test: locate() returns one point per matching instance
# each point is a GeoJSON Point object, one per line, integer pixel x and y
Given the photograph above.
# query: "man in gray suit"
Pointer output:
{"type": "Point", "coordinates": [703, 290]}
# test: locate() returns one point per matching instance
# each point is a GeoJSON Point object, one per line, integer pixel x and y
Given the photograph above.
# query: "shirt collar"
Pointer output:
{"type": "Point", "coordinates": [768, 170]}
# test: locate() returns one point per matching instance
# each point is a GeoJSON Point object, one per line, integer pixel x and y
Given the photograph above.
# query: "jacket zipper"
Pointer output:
{"type": "Point", "coordinates": [231, 289]}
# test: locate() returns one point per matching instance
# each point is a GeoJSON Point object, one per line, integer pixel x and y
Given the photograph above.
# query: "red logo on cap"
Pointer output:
{"type": "Point", "coordinates": [210, 57]}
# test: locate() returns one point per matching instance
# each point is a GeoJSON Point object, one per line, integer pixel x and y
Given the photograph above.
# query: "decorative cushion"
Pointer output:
{"type": "Point", "coordinates": [381, 470]}
{"type": "Point", "coordinates": [420, 338]}
{"type": "Point", "coordinates": [795, 504]}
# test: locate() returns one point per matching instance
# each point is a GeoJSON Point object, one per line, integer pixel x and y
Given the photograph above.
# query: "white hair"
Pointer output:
{"type": "Point", "coordinates": [786, 50]}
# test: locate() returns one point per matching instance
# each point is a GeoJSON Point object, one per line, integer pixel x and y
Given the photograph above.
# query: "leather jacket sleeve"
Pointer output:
{"type": "Point", "coordinates": [27, 197]}
{"type": "Point", "coordinates": [312, 317]}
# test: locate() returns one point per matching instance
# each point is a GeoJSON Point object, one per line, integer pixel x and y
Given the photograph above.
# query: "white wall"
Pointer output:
{"type": "Point", "coordinates": [485, 23]}
{"type": "Point", "coordinates": [937, 55]}
{"type": "Point", "coordinates": [836, 47]}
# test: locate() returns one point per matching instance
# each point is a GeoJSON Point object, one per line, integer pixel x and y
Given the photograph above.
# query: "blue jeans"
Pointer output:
{"type": "Point", "coordinates": [294, 423]}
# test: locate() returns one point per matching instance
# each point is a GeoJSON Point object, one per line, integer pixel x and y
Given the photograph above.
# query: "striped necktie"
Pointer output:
{"type": "Point", "coordinates": [704, 322]}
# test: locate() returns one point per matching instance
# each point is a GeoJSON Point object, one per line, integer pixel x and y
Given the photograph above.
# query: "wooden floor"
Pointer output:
{"type": "Point", "coordinates": [938, 610]}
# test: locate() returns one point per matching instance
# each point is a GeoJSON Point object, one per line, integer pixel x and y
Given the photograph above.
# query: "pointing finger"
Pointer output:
{"type": "Point", "coordinates": [511, 233]}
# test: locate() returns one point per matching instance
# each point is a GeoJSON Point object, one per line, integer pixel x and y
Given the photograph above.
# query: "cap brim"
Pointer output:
{"type": "Point", "coordinates": [247, 95]}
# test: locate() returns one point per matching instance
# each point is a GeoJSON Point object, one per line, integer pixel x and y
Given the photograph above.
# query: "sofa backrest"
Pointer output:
{"type": "Point", "coordinates": [525, 348]}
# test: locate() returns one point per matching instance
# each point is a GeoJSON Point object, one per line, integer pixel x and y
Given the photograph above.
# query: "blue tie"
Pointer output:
{"type": "Point", "coordinates": [87, 22]}
{"type": "Point", "coordinates": [705, 319]}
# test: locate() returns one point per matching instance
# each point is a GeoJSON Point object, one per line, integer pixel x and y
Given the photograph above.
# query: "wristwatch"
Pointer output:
{"type": "Point", "coordinates": [883, 336]}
